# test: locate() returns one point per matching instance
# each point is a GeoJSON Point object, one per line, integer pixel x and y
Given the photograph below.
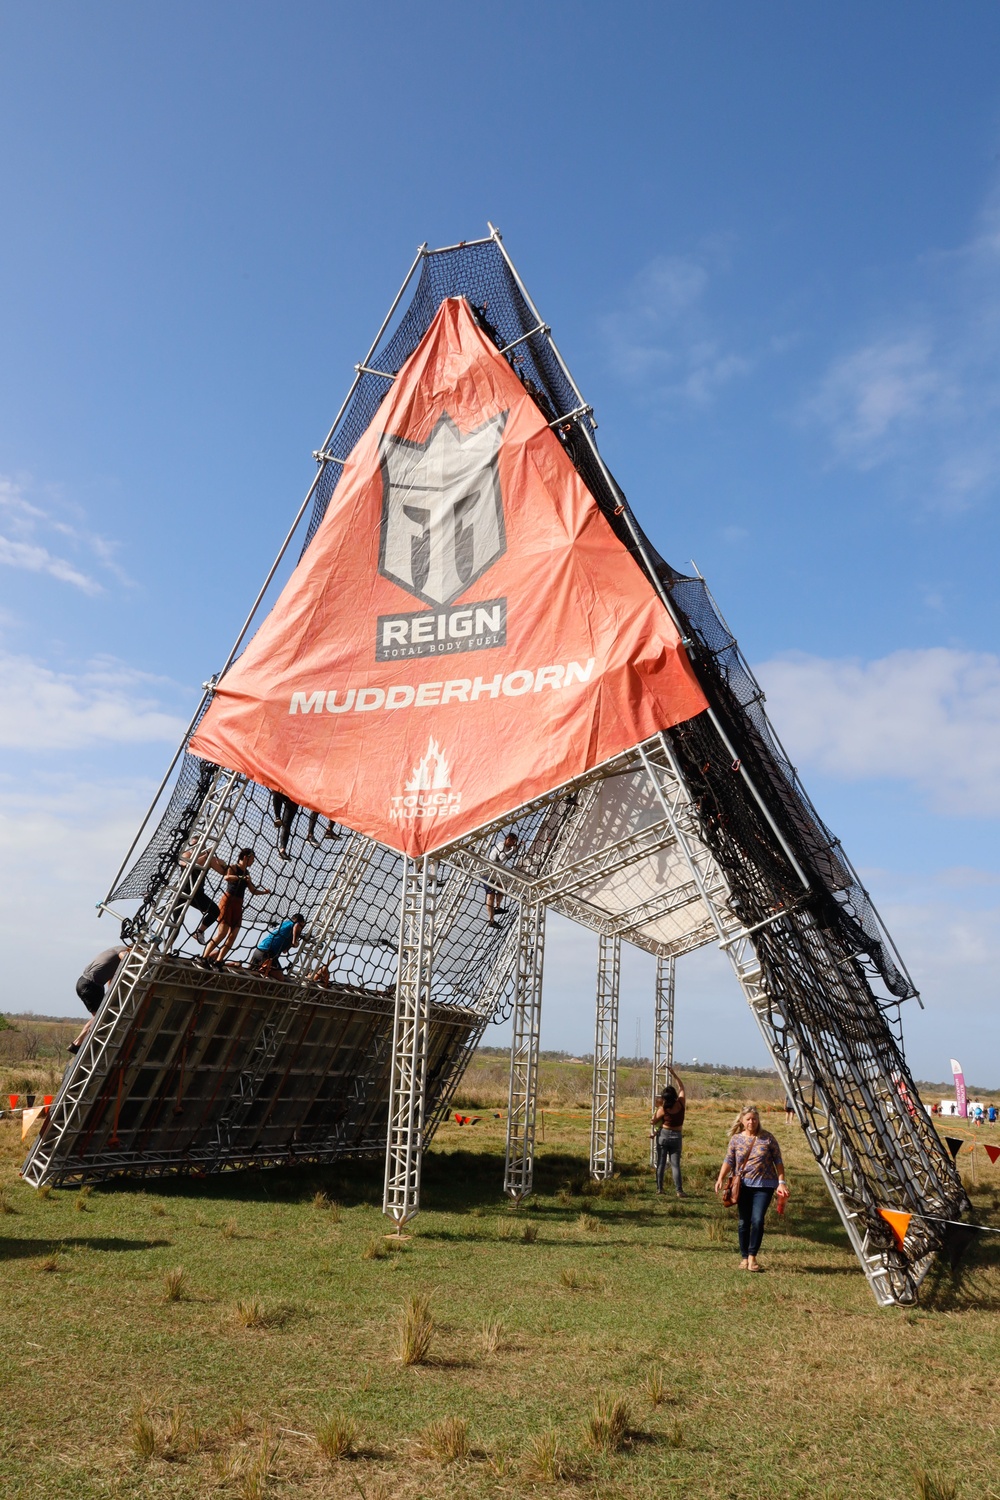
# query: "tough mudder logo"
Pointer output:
{"type": "Point", "coordinates": [442, 528]}
{"type": "Point", "coordinates": [427, 794]}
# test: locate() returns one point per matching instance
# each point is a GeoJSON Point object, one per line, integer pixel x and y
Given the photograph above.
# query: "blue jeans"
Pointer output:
{"type": "Point", "coordinates": [751, 1207]}
{"type": "Point", "coordinates": [668, 1148]}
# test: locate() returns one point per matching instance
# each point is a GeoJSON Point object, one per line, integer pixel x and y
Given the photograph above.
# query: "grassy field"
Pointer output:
{"type": "Point", "coordinates": [281, 1339]}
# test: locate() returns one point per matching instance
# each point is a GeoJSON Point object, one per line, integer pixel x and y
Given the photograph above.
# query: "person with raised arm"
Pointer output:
{"type": "Point", "coordinates": [667, 1124]}
{"type": "Point", "coordinates": [237, 882]}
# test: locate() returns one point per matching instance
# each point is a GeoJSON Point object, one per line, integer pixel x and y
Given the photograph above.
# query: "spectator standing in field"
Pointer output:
{"type": "Point", "coordinates": [991, 1114]}
{"type": "Point", "coordinates": [238, 882]}
{"type": "Point", "coordinates": [789, 1111]}
{"type": "Point", "coordinates": [668, 1122]}
{"type": "Point", "coordinates": [288, 934]}
{"type": "Point", "coordinates": [756, 1156]}
{"type": "Point", "coordinates": [92, 985]}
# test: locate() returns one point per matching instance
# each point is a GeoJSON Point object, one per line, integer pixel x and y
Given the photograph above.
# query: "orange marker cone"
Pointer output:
{"type": "Point", "coordinates": [898, 1222]}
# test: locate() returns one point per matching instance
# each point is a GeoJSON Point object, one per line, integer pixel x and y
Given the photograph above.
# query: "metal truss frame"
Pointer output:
{"type": "Point", "coordinates": [522, 1093]}
{"type": "Point", "coordinates": [890, 1277]}
{"type": "Point", "coordinates": [814, 1075]}
{"type": "Point", "coordinates": [602, 1113]}
{"type": "Point", "coordinates": [407, 1092]}
{"type": "Point", "coordinates": [663, 1034]}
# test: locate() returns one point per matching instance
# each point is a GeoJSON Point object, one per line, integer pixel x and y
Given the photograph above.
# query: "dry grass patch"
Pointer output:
{"type": "Point", "coordinates": [415, 1331]}
{"type": "Point", "coordinates": [174, 1285]}
{"type": "Point", "coordinates": [543, 1461]}
{"type": "Point", "coordinates": [718, 1229]}
{"type": "Point", "coordinates": [447, 1440]}
{"type": "Point", "coordinates": [609, 1423]}
{"type": "Point", "coordinates": [493, 1335]}
{"type": "Point", "coordinates": [656, 1387]}
{"type": "Point", "coordinates": [928, 1486]}
{"type": "Point", "coordinates": [529, 1234]}
{"type": "Point", "coordinates": [50, 1263]}
{"type": "Point", "coordinates": [589, 1223]}
{"type": "Point", "coordinates": [376, 1249]}
{"type": "Point", "coordinates": [336, 1437]}
{"type": "Point", "coordinates": [251, 1312]}
{"type": "Point", "coordinates": [144, 1438]}
{"type": "Point", "coordinates": [230, 1230]}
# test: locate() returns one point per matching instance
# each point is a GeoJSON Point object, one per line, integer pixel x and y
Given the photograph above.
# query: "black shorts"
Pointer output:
{"type": "Point", "coordinates": [91, 993]}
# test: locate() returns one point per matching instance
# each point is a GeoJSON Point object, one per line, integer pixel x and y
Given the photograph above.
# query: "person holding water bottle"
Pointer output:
{"type": "Point", "coordinates": [755, 1157]}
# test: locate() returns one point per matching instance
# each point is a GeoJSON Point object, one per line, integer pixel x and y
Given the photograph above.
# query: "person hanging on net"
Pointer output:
{"type": "Point", "coordinates": [288, 934]}
{"type": "Point", "coordinates": [285, 813]}
{"type": "Point", "coordinates": [331, 830]}
{"type": "Point", "coordinates": [503, 851]}
{"type": "Point", "coordinates": [192, 892]}
{"type": "Point", "coordinates": [668, 1122]}
{"type": "Point", "coordinates": [238, 882]}
{"type": "Point", "coordinates": [92, 986]}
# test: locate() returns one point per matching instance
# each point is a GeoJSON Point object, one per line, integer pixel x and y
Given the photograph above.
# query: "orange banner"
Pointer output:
{"type": "Point", "coordinates": [898, 1222]}
{"type": "Point", "coordinates": [465, 631]}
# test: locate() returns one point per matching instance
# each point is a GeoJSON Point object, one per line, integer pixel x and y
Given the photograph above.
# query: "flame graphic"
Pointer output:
{"type": "Point", "coordinates": [432, 773]}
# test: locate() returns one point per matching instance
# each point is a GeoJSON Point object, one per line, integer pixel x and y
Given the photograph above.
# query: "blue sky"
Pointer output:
{"type": "Point", "coordinates": [768, 241]}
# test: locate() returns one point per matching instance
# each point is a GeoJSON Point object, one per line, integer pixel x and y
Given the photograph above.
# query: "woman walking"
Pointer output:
{"type": "Point", "coordinates": [755, 1157]}
{"type": "Point", "coordinates": [668, 1121]}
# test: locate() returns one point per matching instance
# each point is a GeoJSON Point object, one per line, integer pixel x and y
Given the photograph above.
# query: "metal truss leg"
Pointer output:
{"type": "Point", "coordinates": [404, 1142]}
{"type": "Point", "coordinates": [522, 1097]}
{"type": "Point", "coordinates": [868, 1151]}
{"type": "Point", "coordinates": [663, 1035]}
{"type": "Point", "coordinates": [602, 1117]}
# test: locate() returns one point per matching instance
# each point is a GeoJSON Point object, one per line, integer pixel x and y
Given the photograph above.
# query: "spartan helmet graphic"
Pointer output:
{"type": "Point", "coordinates": [442, 514]}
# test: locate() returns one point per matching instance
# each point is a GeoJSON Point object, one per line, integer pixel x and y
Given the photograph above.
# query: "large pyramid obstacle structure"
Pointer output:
{"type": "Point", "coordinates": [481, 695]}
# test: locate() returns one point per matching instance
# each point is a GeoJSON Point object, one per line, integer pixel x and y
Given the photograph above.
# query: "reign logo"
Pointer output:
{"type": "Point", "coordinates": [442, 515]}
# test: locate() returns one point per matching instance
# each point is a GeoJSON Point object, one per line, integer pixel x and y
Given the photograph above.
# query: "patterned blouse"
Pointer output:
{"type": "Point", "coordinates": [760, 1163]}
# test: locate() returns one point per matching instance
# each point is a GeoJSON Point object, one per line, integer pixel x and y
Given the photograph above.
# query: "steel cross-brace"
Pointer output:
{"type": "Point", "coordinates": [663, 1035]}
{"type": "Point", "coordinates": [410, 1036]}
{"type": "Point", "coordinates": [602, 1116]}
{"type": "Point", "coordinates": [522, 1096]}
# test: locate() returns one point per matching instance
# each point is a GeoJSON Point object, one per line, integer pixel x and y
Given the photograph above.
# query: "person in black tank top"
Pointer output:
{"type": "Point", "coordinates": [237, 881]}
{"type": "Point", "coordinates": [667, 1124]}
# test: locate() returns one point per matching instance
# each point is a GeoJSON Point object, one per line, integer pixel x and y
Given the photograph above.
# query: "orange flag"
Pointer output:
{"type": "Point", "coordinates": [28, 1118]}
{"type": "Point", "coordinates": [993, 1152]}
{"type": "Point", "coordinates": [898, 1222]}
{"type": "Point", "coordinates": [13, 1100]}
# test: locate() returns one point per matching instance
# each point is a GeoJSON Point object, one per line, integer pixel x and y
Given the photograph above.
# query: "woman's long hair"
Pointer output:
{"type": "Point", "coordinates": [737, 1126]}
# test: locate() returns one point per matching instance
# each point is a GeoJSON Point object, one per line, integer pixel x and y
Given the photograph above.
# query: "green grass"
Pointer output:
{"type": "Point", "coordinates": [790, 1385]}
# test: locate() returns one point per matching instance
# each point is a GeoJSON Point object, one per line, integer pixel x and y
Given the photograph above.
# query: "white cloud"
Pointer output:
{"type": "Point", "coordinates": [663, 338]}
{"type": "Point", "coordinates": [107, 702]}
{"type": "Point", "coordinates": [922, 393]}
{"type": "Point", "coordinates": [61, 839]}
{"type": "Point", "coordinates": [929, 717]}
{"type": "Point", "coordinates": [34, 559]}
{"type": "Point", "coordinates": [28, 530]}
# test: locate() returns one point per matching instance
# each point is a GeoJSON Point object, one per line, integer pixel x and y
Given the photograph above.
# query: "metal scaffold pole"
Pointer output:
{"type": "Point", "coordinates": [602, 1119]}
{"type": "Point", "coordinates": [522, 1098]}
{"type": "Point", "coordinates": [663, 1035]}
{"type": "Point", "coordinates": [404, 1142]}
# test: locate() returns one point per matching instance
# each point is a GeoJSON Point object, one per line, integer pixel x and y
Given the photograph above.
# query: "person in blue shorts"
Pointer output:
{"type": "Point", "coordinates": [288, 934]}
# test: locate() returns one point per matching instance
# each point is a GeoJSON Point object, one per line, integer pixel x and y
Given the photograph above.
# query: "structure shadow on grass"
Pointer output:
{"type": "Point", "coordinates": [21, 1249]}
